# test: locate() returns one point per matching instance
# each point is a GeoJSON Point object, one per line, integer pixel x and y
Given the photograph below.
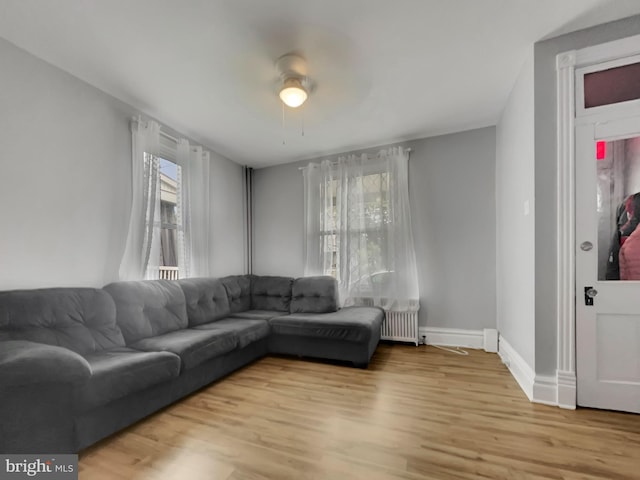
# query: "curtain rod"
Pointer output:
{"type": "Point", "coordinates": [335, 163]}
{"type": "Point", "coordinates": [167, 136]}
{"type": "Point", "coordinates": [162, 132]}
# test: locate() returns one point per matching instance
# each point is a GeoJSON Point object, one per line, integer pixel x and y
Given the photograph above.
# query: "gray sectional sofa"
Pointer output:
{"type": "Point", "coordinates": [78, 364]}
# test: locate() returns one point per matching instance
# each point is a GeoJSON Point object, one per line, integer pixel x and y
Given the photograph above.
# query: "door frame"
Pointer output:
{"type": "Point", "coordinates": [566, 65]}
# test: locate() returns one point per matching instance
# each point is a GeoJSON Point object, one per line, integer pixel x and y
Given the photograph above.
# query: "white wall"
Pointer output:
{"type": "Point", "coordinates": [452, 193]}
{"type": "Point", "coordinates": [545, 176]}
{"type": "Point", "coordinates": [65, 181]}
{"type": "Point", "coordinates": [515, 228]}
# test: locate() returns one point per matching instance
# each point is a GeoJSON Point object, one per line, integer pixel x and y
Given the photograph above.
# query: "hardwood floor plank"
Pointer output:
{"type": "Point", "coordinates": [415, 413]}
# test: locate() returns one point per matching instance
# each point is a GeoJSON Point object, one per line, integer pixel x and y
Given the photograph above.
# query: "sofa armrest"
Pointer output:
{"type": "Point", "coordinates": [24, 363]}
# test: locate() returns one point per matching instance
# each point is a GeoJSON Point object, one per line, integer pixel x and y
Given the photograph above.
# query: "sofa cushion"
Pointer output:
{"type": "Point", "coordinates": [314, 295]}
{"type": "Point", "coordinates": [121, 371]}
{"type": "Point", "coordinates": [206, 299]}
{"type": "Point", "coordinates": [238, 289]}
{"type": "Point", "coordinates": [246, 330]}
{"type": "Point", "coordinates": [191, 345]}
{"type": "Point", "coordinates": [27, 363]}
{"type": "Point", "coordinates": [80, 319]}
{"type": "Point", "coordinates": [271, 293]}
{"type": "Point", "coordinates": [148, 308]}
{"type": "Point", "coordinates": [354, 324]}
{"type": "Point", "coordinates": [258, 314]}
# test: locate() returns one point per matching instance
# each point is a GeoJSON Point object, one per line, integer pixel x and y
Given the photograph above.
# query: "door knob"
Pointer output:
{"type": "Point", "coordinates": [592, 292]}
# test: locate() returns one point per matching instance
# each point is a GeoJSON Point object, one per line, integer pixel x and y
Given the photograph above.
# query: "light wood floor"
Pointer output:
{"type": "Point", "coordinates": [415, 413]}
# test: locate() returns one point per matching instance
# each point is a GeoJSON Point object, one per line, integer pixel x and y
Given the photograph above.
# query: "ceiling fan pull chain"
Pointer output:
{"type": "Point", "coordinates": [283, 124]}
{"type": "Point", "coordinates": [303, 122]}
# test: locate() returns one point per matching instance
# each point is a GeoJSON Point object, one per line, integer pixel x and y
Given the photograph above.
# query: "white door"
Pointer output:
{"type": "Point", "coordinates": [608, 306]}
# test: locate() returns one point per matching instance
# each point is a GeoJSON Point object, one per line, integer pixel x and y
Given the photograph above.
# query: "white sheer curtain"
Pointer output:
{"type": "Point", "coordinates": [142, 250]}
{"type": "Point", "coordinates": [358, 228]}
{"type": "Point", "coordinates": [194, 211]}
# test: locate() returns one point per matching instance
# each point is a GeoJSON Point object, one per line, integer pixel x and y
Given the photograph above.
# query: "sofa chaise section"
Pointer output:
{"type": "Point", "coordinates": [318, 328]}
{"type": "Point", "coordinates": [350, 334]}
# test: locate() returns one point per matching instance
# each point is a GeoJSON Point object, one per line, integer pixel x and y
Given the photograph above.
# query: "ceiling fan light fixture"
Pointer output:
{"type": "Point", "coordinates": [293, 94]}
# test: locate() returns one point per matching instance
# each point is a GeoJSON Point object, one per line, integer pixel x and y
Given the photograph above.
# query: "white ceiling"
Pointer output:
{"type": "Point", "coordinates": [386, 70]}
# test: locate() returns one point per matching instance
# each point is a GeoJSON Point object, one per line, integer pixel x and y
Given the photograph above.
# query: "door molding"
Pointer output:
{"type": "Point", "coordinates": [566, 65]}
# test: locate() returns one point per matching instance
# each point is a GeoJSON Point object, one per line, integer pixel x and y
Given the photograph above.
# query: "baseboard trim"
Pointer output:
{"type": "Point", "coordinates": [453, 337]}
{"type": "Point", "coordinates": [545, 390]}
{"type": "Point", "coordinates": [538, 388]}
{"type": "Point", "coordinates": [567, 389]}
{"type": "Point", "coordinates": [519, 368]}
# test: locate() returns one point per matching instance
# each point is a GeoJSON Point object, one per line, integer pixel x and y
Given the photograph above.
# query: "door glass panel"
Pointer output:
{"type": "Point", "coordinates": [618, 204]}
{"type": "Point", "coordinates": [615, 85]}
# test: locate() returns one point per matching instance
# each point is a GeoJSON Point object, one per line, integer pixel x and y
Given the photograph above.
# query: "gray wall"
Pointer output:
{"type": "Point", "coordinates": [227, 218]}
{"type": "Point", "coordinates": [278, 226]}
{"type": "Point", "coordinates": [65, 186]}
{"type": "Point", "coordinates": [452, 193]}
{"type": "Point", "coordinates": [515, 228]}
{"type": "Point", "coordinates": [545, 176]}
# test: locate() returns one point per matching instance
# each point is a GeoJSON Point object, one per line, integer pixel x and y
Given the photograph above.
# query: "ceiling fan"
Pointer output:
{"type": "Point", "coordinates": [313, 74]}
{"type": "Point", "coordinates": [295, 85]}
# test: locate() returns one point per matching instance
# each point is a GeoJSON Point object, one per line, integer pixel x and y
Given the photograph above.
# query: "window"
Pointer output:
{"type": "Point", "coordinates": [358, 229]}
{"type": "Point", "coordinates": [169, 222]}
{"type": "Point", "coordinates": [368, 219]}
{"type": "Point", "coordinates": [170, 218]}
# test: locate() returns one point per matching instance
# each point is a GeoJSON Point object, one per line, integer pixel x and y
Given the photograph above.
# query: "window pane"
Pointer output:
{"type": "Point", "coordinates": [330, 249]}
{"type": "Point", "coordinates": [610, 86]}
{"type": "Point", "coordinates": [367, 244]}
{"type": "Point", "coordinates": [376, 207]}
{"type": "Point", "coordinates": [376, 257]}
{"type": "Point", "coordinates": [618, 208]}
{"type": "Point", "coordinates": [168, 181]}
{"type": "Point", "coordinates": [168, 244]}
{"type": "Point", "coordinates": [171, 224]}
{"type": "Point", "coordinates": [168, 213]}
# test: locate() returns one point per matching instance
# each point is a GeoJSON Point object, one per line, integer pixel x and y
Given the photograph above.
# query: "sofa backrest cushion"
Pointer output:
{"type": "Point", "coordinates": [314, 295]}
{"type": "Point", "coordinates": [238, 289]}
{"type": "Point", "coordinates": [80, 319]}
{"type": "Point", "coordinates": [271, 293]}
{"type": "Point", "coordinates": [206, 298]}
{"type": "Point", "coordinates": [147, 308]}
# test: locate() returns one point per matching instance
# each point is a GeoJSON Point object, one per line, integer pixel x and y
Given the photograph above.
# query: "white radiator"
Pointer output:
{"type": "Point", "coordinates": [400, 327]}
